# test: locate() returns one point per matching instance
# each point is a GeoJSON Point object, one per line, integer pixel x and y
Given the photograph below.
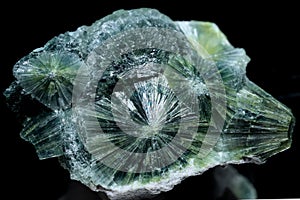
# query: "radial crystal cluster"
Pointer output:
{"type": "Point", "coordinates": [136, 102]}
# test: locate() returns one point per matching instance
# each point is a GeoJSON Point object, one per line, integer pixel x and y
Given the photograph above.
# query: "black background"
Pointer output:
{"type": "Point", "coordinates": [269, 34]}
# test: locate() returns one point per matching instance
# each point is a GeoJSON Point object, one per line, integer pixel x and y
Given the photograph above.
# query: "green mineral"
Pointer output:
{"type": "Point", "coordinates": [136, 102]}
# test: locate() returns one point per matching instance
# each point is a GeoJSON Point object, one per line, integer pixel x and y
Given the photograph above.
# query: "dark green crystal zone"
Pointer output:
{"type": "Point", "coordinates": [105, 89]}
{"type": "Point", "coordinates": [125, 141]}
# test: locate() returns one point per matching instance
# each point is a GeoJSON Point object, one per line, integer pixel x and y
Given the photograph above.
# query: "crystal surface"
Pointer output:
{"type": "Point", "coordinates": [136, 102]}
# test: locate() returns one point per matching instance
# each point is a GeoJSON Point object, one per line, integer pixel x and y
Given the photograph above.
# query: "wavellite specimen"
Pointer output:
{"type": "Point", "coordinates": [136, 102]}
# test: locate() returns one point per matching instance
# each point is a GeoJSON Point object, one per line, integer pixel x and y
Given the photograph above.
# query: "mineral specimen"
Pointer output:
{"type": "Point", "coordinates": [136, 102]}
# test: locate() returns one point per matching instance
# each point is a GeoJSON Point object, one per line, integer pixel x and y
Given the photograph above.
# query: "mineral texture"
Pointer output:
{"type": "Point", "coordinates": [136, 102]}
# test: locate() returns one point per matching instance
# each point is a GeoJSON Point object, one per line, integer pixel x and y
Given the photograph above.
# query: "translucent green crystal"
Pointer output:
{"type": "Point", "coordinates": [48, 77]}
{"type": "Point", "coordinates": [136, 102]}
